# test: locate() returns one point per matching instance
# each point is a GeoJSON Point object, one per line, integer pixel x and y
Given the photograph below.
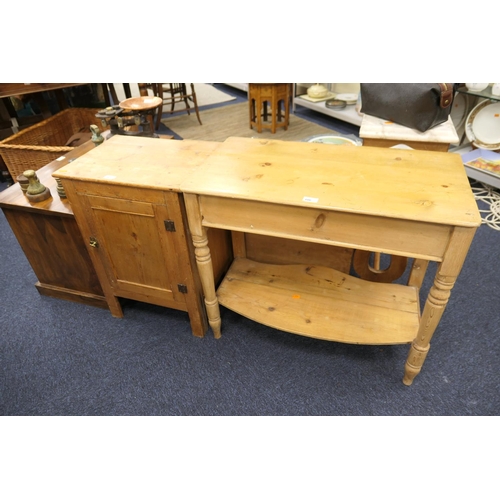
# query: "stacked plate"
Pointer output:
{"type": "Point", "coordinates": [459, 109]}
{"type": "Point", "coordinates": [348, 98]}
{"type": "Point", "coordinates": [483, 125]}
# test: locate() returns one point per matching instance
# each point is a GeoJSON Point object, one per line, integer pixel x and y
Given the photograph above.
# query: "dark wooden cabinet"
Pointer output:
{"type": "Point", "coordinates": [51, 240]}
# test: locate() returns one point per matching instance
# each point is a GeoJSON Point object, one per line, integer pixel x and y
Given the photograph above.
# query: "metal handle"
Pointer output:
{"type": "Point", "coordinates": [93, 242]}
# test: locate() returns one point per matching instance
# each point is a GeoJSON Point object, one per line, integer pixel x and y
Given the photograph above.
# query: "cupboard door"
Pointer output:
{"type": "Point", "coordinates": [136, 248]}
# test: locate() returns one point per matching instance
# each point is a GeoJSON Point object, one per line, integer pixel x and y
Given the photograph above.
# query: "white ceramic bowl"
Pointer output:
{"type": "Point", "coordinates": [476, 87]}
{"type": "Point", "coordinates": [317, 91]}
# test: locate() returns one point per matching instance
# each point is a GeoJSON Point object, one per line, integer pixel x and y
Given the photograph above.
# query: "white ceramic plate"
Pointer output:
{"type": "Point", "coordinates": [469, 126]}
{"type": "Point", "coordinates": [459, 109]}
{"type": "Point", "coordinates": [486, 124]}
{"type": "Point", "coordinates": [349, 98]}
{"type": "Point", "coordinates": [331, 139]}
{"type": "Point", "coordinates": [330, 95]}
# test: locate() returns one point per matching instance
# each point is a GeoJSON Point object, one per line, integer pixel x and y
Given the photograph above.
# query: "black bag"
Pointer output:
{"type": "Point", "coordinates": [420, 106]}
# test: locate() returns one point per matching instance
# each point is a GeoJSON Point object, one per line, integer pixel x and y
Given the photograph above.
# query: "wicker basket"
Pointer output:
{"type": "Point", "coordinates": [35, 146]}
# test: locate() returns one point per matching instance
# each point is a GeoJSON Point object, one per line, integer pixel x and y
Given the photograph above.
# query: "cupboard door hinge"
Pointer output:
{"type": "Point", "coordinates": [169, 225]}
{"type": "Point", "coordinates": [182, 288]}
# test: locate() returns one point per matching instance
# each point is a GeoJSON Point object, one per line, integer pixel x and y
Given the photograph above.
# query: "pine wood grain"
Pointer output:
{"type": "Point", "coordinates": [410, 185]}
{"type": "Point", "coordinates": [140, 162]}
{"type": "Point", "coordinates": [126, 200]}
{"type": "Point", "coordinates": [321, 302]}
{"type": "Point", "coordinates": [328, 227]}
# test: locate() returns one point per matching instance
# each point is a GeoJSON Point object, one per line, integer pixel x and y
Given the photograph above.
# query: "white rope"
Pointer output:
{"type": "Point", "coordinates": [489, 197]}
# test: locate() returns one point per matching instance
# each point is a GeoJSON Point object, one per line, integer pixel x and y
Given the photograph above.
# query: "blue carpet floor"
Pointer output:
{"type": "Point", "coordinates": [62, 358]}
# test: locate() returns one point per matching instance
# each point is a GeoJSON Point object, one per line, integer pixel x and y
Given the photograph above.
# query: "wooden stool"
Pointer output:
{"type": "Point", "coordinates": [277, 95]}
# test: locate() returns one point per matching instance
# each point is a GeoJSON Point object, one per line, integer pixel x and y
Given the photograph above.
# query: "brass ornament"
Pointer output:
{"type": "Point", "coordinates": [36, 190]}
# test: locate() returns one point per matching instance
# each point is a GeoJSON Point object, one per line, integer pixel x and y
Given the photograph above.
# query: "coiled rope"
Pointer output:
{"type": "Point", "coordinates": [488, 204]}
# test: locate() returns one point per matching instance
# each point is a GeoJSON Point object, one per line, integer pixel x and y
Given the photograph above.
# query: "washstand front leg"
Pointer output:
{"type": "Point", "coordinates": [203, 262]}
{"type": "Point", "coordinates": [439, 294]}
{"type": "Point", "coordinates": [434, 307]}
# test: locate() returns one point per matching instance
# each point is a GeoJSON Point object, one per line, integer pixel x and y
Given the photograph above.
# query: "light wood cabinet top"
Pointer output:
{"type": "Point", "coordinates": [404, 184]}
{"type": "Point", "coordinates": [140, 162]}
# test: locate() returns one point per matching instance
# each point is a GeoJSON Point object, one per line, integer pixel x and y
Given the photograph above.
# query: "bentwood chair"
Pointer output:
{"type": "Point", "coordinates": [171, 94]}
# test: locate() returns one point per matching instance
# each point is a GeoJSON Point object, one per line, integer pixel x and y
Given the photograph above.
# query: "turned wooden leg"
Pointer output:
{"type": "Point", "coordinates": [203, 262]}
{"type": "Point", "coordinates": [438, 297]}
{"type": "Point", "coordinates": [433, 310]}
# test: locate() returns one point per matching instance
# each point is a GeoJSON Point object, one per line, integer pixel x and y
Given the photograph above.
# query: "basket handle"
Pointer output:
{"type": "Point", "coordinates": [55, 149]}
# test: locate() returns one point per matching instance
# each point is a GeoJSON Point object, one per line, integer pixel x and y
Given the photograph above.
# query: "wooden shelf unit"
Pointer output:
{"type": "Point", "coordinates": [415, 204]}
{"type": "Point", "coordinates": [347, 114]}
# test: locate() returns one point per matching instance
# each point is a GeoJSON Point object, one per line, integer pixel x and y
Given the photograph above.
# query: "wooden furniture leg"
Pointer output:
{"type": "Point", "coordinates": [434, 308]}
{"type": "Point", "coordinates": [114, 95]}
{"type": "Point", "coordinates": [203, 262]}
{"type": "Point", "coordinates": [446, 275]}
{"type": "Point", "coordinates": [258, 111]}
{"type": "Point", "coordinates": [126, 88]}
{"type": "Point", "coordinates": [417, 273]}
{"type": "Point", "coordinates": [186, 102]}
{"type": "Point", "coordinates": [251, 112]}
{"type": "Point", "coordinates": [158, 90]}
{"type": "Point", "coordinates": [195, 102]}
